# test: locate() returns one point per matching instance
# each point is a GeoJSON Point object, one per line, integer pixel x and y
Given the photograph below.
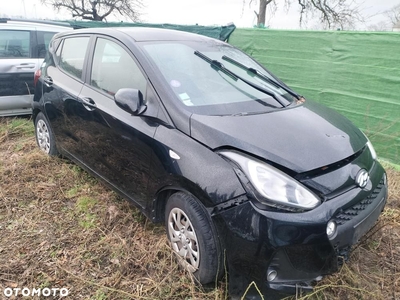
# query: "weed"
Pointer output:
{"type": "Point", "coordinates": [72, 192]}
{"type": "Point", "coordinates": [100, 295]}
{"type": "Point", "coordinates": [138, 216]}
{"type": "Point", "coordinates": [88, 221]}
{"type": "Point", "coordinates": [18, 126]}
{"type": "Point", "coordinates": [84, 204]}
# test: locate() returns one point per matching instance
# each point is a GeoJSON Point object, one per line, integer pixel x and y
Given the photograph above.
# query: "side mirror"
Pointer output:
{"type": "Point", "coordinates": [130, 100]}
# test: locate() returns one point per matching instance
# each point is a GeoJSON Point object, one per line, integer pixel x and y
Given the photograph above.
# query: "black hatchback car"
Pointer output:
{"type": "Point", "coordinates": [244, 172]}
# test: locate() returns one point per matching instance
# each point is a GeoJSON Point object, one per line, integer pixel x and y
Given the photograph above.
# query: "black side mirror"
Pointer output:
{"type": "Point", "coordinates": [130, 100]}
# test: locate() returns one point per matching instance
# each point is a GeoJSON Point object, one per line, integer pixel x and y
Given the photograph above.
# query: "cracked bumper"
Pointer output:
{"type": "Point", "coordinates": [295, 245]}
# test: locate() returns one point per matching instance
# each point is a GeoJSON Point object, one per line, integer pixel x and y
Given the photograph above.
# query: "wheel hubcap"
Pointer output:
{"type": "Point", "coordinates": [183, 239]}
{"type": "Point", "coordinates": [43, 136]}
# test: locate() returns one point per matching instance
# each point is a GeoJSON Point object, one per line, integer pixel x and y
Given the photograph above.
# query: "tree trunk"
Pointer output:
{"type": "Point", "coordinates": [261, 13]}
{"type": "Point", "coordinates": [95, 15]}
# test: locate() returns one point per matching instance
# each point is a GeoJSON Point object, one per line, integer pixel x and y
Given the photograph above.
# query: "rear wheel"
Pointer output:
{"type": "Point", "coordinates": [44, 135]}
{"type": "Point", "coordinates": [193, 237]}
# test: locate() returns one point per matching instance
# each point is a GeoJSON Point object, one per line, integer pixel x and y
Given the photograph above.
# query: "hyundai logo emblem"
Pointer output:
{"type": "Point", "coordinates": [362, 178]}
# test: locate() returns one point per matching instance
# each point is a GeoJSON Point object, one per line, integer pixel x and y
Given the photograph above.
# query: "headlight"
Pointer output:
{"type": "Point", "coordinates": [273, 184]}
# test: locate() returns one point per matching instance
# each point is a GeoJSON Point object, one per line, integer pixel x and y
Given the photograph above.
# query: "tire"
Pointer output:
{"type": "Point", "coordinates": [189, 225]}
{"type": "Point", "coordinates": [44, 135]}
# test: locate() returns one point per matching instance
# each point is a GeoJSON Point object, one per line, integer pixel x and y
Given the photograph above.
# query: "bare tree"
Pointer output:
{"type": "Point", "coordinates": [98, 10]}
{"type": "Point", "coordinates": [394, 14]}
{"type": "Point", "coordinates": [380, 26]}
{"type": "Point", "coordinates": [331, 13]}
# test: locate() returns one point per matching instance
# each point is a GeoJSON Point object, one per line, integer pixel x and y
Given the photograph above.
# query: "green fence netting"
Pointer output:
{"type": "Point", "coordinates": [218, 32]}
{"type": "Point", "coordinates": [356, 73]}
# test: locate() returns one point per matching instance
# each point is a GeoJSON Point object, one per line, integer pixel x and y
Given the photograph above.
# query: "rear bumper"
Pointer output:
{"type": "Point", "coordinates": [295, 245]}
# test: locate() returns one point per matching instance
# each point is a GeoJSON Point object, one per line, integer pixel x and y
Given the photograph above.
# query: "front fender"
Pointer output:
{"type": "Point", "coordinates": [199, 170]}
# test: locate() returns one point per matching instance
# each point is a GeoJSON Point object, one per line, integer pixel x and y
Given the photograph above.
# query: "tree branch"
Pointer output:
{"type": "Point", "coordinates": [98, 9]}
{"type": "Point", "coordinates": [331, 12]}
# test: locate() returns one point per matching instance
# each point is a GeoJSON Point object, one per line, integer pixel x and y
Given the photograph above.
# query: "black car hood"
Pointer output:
{"type": "Point", "coordinates": [301, 138]}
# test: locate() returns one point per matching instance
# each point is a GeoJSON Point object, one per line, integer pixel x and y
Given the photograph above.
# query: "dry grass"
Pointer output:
{"type": "Point", "coordinates": [60, 228]}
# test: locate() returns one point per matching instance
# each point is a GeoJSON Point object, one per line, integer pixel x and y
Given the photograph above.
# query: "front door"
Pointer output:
{"type": "Point", "coordinates": [117, 145]}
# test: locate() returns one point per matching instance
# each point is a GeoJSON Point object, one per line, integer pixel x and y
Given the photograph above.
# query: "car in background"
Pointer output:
{"type": "Point", "coordinates": [23, 45]}
{"type": "Point", "coordinates": [246, 174]}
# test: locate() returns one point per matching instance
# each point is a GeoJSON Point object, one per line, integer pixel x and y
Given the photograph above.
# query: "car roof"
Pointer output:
{"type": "Point", "coordinates": [142, 34]}
{"type": "Point", "coordinates": [157, 34]}
{"type": "Point", "coordinates": [41, 25]}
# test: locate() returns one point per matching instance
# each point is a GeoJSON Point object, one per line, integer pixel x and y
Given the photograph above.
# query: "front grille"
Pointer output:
{"type": "Point", "coordinates": [351, 212]}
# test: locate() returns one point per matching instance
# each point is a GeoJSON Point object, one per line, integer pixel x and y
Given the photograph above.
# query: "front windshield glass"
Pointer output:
{"type": "Point", "coordinates": [204, 88]}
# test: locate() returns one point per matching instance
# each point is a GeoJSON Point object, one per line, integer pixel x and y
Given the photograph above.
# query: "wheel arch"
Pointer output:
{"type": "Point", "coordinates": [35, 112]}
{"type": "Point", "coordinates": [161, 197]}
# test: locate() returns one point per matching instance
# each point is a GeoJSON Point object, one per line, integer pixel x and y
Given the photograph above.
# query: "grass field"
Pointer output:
{"type": "Point", "coordinates": [61, 228]}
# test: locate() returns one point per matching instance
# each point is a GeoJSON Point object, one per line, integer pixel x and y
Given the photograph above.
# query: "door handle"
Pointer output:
{"type": "Point", "coordinates": [88, 103]}
{"type": "Point", "coordinates": [26, 66]}
{"type": "Point", "coordinates": [48, 81]}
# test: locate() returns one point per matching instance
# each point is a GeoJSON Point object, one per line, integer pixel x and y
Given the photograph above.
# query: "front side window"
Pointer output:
{"type": "Point", "coordinates": [73, 55]}
{"type": "Point", "coordinates": [194, 72]}
{"type": "Point", "coordinates": [113, 68]}
{"type": "Point", "coordinates": [14, 44]}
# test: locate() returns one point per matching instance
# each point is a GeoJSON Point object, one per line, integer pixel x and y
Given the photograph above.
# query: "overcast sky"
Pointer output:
{"type": "Point", "coordinates": [204, 12]}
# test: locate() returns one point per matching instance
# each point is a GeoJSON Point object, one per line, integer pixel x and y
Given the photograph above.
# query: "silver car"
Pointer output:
{"type": "Point", "coordinates": [23, 45]}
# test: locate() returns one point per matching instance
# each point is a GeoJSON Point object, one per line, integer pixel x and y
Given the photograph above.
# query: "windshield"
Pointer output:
{"type": "Point", "coordinates": [218, 88]}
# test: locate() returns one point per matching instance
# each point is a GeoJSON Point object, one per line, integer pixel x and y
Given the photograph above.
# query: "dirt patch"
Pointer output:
{"type": "Point", "coordinates": [60, 228]}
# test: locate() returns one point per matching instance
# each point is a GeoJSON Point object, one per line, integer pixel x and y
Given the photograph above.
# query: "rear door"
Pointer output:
{"type": "Point", "coordinates": [17, 66]}
{"type": "Point", "coordinates": [62, 83]}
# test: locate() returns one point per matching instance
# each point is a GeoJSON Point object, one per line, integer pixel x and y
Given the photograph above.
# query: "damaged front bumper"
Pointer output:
{"type": "Point", "coordinates": [282, 252]}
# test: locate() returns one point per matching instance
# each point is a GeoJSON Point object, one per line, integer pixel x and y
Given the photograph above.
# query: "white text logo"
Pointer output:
{"type": "Point", "coordinates": [26, 292]}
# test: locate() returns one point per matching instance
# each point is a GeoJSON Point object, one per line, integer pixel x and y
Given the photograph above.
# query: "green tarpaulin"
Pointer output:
{"type": "Point", "coordinates": [356, 73]}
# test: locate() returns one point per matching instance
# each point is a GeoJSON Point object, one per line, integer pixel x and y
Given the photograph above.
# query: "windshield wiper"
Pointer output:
{"type": "Point", "coordinates": [257, 73]}
{"type": "Point", "coordinates": [215, 64]}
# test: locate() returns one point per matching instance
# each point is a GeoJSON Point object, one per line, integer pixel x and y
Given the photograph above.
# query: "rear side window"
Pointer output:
{"type": "Point", "coordinates": [113, 68]}
{"type": "Point", "coordinates": [43, 38]}
{"type": "Point", "coordinates": [15, 44]}
{"type": "Point", "coordinates": [73, 55]}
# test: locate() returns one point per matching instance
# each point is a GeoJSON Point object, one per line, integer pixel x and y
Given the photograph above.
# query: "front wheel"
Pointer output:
{"type": "Point", "coordinates": [44, 135]}
{"type": "Point", "coordinates": [193, 237]}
